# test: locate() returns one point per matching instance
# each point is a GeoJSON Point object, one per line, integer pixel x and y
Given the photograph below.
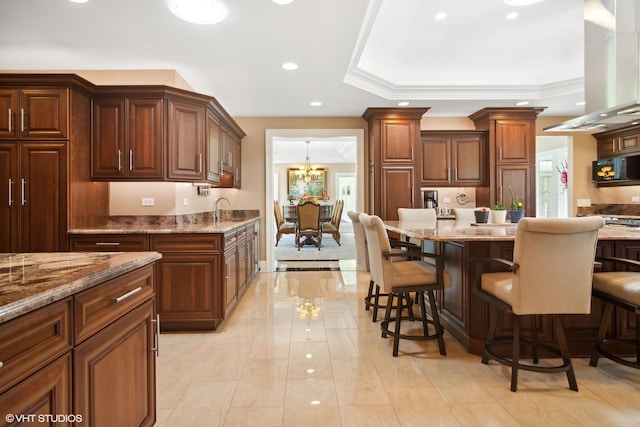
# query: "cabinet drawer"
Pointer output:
{"type": "Point", "coordinates": [109, 243]}
{"type": "Point", "coordinates": [29, 342]}
{"type": "Point", "coordinates": [185, 242]}
{"type": "Point", "coordinates": [97, 307]}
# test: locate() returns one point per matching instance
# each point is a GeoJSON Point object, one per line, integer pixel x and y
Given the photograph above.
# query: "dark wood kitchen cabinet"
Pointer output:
{"type": "Point", "coordinates": [33, 216]}
{"type": "Point", "coordinates": [618, 143]}
{"type": "Point", "coordinates": [392, 157]}
{"type": "Point", "coordinates": [453, 158]}
{"type": "Point", "coordinates": [511, 155]}
{"type": "Point", "coordinates": [224, 139]}
{"type": "Point", "coordinates": [186, 141]}
{"type": "Point", "coordinates": [127, 138]}
{"type": "Point", "coordinates": [34, 113]}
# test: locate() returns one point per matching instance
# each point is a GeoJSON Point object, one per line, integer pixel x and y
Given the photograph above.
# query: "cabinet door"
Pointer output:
{"type": "Point", "coordinates": [186, 137]}
{"type": "Point", "coordinates": [45, 393]}
{"type": "Point", "coordinates": [9, 197]}
{"type": "Point", "coordinates": [397, 139]}
{"type": "Point", "coordinates": [243, 266]}
{"type": "Point", "coordinates": [9, 113]}
{"type": "Point", "coordinates": [43, 197]}
{"type": "Point", "coordinates": [397, 191]}
{"type": "Point", "coordinates": [108, 146]}
{"type": "Point", "coordinates": [213, 147]}
{"type": "Point", "coordinates": [514, 141]}
{"type": "Point", "coordinates": [114, 373]}
{"type": "Point", "coordinates": [145, 138]}
{"type": "Point", "coordinates": [468, 160]}
{"type": "Point", "coordinates": [436, 163]}
{"type": "Point", "coordinates": [44, 113]}
{"type": "Point", "coordinates": [230, 278]}
{"type": "Point", "coordinates": [518, 178]}
{"type": "Point", "coordinates": [187, 291]}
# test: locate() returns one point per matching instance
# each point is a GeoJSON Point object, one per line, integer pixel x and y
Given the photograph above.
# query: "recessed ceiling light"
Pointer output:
{"type": "Point", "coordinates": [282, 2]}
{"type": "Point", "coordinates": [521, 103]}
{"type": "Point", "coordinates": [199, 11]}
{"type": "Point", "coordinates": [315, 103]}
{"type": "Point", "coordinates": [403, 103]}
{"type": "Point", "coordinates": [290, 66]}
{"type": "Point", "coordinates": [512, 15]}
{"type": "Point", "coordinates": [78, 1]}
{"type": "Point", "coordinates": [580, 103]}
{"type": "Point", "coordinates": [521, 2]}
{"type": "Point", "coordinates": [441, 15]}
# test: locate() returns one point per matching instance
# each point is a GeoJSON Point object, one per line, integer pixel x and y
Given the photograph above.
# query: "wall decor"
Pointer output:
{"type": "Point", "coordinates": [297, 187]}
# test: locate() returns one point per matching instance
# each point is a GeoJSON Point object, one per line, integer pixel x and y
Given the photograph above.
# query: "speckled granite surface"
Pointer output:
{"type": "Point", "coordinates": [463, 232]}
{"type": "Point", "coordinates": [610, 209]}
{"type": "Point", "coordinates": [29, 281]}
{"type": "Point", "coordinates": [196, 223]}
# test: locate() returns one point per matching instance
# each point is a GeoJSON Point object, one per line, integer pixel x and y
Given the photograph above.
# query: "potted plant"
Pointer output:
{"type": "Point", "coordinates": [482, 215]}
{"type": "Point", "coordinates": [498, 213]}
{"type": "Point", "coordinates": [516, 211]}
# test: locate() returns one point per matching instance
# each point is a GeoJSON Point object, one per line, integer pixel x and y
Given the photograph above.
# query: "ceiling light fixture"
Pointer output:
{"type": "Point", "coordinates": [199, 11]}
{"type": "Point", "coordinates": [78, 1]}
{"type": "Point", "coordinates": [403, 103]}
{"type": "Point", "coordinates": [282, 2]}
{"type": "Point", "coordinates": [289, 66]}
{"type": "Point", "coordinates": [521, 103]}
{"type": "Point", "coordinates": [441, 15]}
{"type": "Point", "coordinates": [512, 15]}
{"type": "Point", "coordinates": [315, 103]}
{"type": "Point", "coordinates": [521, 2]}
{"type": "Point", "coordinates": [308, 175]}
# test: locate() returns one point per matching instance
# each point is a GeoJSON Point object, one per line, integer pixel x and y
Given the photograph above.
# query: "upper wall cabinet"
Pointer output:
{"type": "Point", "coordinates": [34, 113]}
{"type": "Point", "coordinates": [453, 158]}
{"type": "Point", "coordinates": [155, 133]}
{"type": "Point", "coordinates": [223, 148]}
{"type": "Point", "coordinates": [618, 143]}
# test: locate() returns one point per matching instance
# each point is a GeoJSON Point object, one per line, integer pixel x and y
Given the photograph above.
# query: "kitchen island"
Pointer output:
{"type": "Point", "coordinates": [465, 315]}
{"type": "Point", "coordinates": [78, 337]}
{"type": "Point", "coordinates": [206, 265]}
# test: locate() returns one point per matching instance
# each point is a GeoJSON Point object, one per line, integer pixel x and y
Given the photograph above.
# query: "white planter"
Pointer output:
{"type": "Point", "coordinates": [498, 217]}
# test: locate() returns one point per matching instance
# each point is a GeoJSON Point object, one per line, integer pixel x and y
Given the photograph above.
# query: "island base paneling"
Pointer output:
{"type": "Point", "coordinates": [465, 316]}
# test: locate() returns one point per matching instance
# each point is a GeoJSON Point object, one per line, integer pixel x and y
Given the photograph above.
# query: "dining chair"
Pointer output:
{"type": "Point", "coordinates": [282, 227]}
{"type": "Point", "coordinates": [308, 225]}
{"type": "Point", "coordinates": [333, 227]}
{"type": "Point", "coordinates": [550, 274]}
{"type": "Point", "coordinates": [621, 289]}
{"type": "Point", "coordinates": [399, 280]}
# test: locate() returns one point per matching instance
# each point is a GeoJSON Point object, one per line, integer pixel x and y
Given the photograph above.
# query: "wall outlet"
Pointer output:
{"type": "Point", "coordinates": [584, 203]}
{"type": "Point", "coordinates": [185, 202]}
{"type": "Point", "coordinates": [635, 198]}
{"type": "Point", "coordinates": [148, 201]}
{"type": "Point", "coordinates": [446, 200]}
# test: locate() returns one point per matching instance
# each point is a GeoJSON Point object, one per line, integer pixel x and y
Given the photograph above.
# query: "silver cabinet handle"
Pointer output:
{"type": "Point", "coordinates": [156, 340]}
{"type": "Point", "coordinates": [129, 294]}
{"type": "Point", "coordinates": [10, 192]}
{"type": "Point", "coordinates": [227, 273]}
{"type": "Point", "coordinates": [449, 175]}
{"type": "Point", "coordinates": [22, 120]}
{"type": "Point", "coordinates": [200, 163]}
{"type": "Point", "coordinates": [107, 243]}
{"type": "Point", "coordinates": [1, 364]}
{"type": "Point", "coordinates": [230, 159]}
{"type": "Point", "coordinates": [130, 160]}
{"type": "Point", "coordinates": [119, 159]}
{"type": "Point", "coordinates": [24, 196]}
{"type": "Point", "coordinates": [10, 117]}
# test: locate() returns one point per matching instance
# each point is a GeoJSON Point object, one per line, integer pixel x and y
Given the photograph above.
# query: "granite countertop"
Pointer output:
{"type": "Point", "coordinates": [206, 226]}
{"type": "Point", "coordinates": [29, 281]}
{"type": "Point", "coordinates": [455, 231]}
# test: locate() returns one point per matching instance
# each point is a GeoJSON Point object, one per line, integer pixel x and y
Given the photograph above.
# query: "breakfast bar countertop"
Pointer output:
{"type": "Point", "coordinates": [208, 226]}
{"type": "Point", "coordinates": [456, 231]}
{"type": "Point", "coordinates": [29, 281]}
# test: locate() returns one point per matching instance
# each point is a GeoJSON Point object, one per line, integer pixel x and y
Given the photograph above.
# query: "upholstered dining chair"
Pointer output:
{"type": "Point", "coordinates": [426, 217]}
{"type": "Point", "coordinates": [308, 225]}
{"type": "Point", "coordinates": [464, 215]}
{"type": "Point", "coordinates": [282, 227]}
{"type": "Point", "coordinates": [620, 288]}
{"type": "Point", "coordinates": [550, 274]}
{"type": "Point", "coordinates": [333, 227]}
{"type": "Point", "coordinates": [399, 279]}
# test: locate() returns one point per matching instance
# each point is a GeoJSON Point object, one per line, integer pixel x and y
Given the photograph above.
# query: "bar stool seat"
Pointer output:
{"type": "Point", "coordinates": [617, 289]}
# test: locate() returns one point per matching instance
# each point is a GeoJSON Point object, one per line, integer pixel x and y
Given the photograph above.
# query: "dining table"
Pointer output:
{"type": "Point", "coordinates": [290, 212]}
{"type": "Point", "coordinates": [464, 315]}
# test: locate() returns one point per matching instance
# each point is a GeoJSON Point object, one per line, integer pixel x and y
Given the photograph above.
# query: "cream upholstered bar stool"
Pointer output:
{"type": "Point", "coordinates": [399, 279]}
{"type": "Point", "coordinates": [550, 274]}
{"type": "Point", "coordinates": [617, 289]}
{"type": "Point", "coordinates": [427, 217]}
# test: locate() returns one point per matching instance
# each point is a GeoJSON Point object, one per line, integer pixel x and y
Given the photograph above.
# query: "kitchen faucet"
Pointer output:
{"type": "Point", "coordinates": [216, 208]}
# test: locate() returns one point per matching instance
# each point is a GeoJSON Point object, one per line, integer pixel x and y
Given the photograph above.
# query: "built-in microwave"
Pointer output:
{"type": "Point", "coordinates": [616, 169]}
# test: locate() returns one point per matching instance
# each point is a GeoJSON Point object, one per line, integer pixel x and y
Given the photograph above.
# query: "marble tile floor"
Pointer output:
{"type": "Point", "coordinates": [271, 365]}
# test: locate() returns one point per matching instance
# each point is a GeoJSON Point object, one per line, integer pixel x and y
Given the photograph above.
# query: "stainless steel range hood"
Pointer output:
{"type": "Point", "coordinates": [612, 67]}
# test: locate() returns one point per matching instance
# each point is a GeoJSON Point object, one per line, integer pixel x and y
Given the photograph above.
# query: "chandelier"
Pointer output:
{"type": "Point", "coordinates": [307, 177]}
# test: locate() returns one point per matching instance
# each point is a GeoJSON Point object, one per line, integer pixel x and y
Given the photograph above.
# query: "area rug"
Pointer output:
{"type": "Point", "coordinates": [330, 251]}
